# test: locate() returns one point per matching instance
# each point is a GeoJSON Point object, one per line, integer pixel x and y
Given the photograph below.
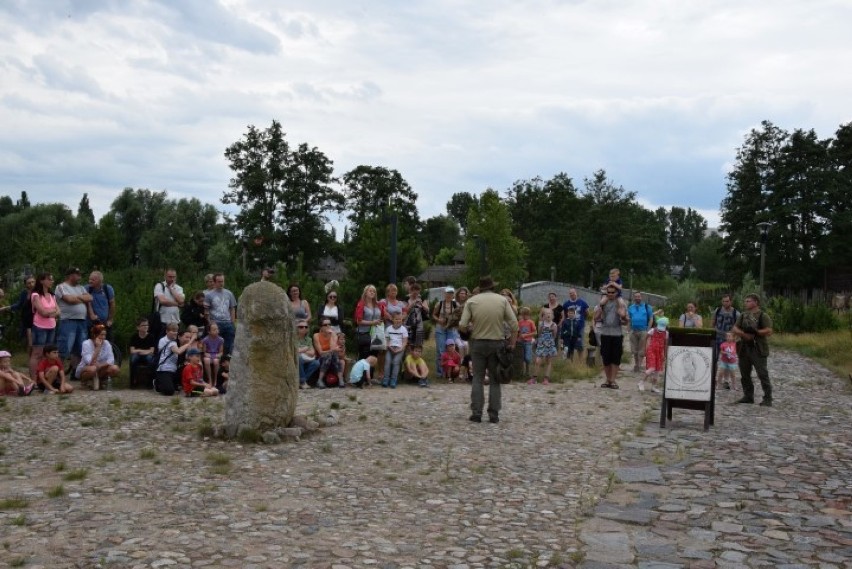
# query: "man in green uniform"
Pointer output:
{"type": "Point", "coordinates": [753, 327]}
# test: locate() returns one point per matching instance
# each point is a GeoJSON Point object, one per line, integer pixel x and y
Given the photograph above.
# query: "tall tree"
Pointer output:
{"type": "Point", "coordinates": [459, 206]}
{"type": "Point", "coordinates": [135, 211]}
{"type": "Point", "coordinates": [490, 233]}
{"type": "Point", "coordinates": [547, 217]}
{"type": "Point", "coordinates": [284, 195]}
{"type": "Point", "coordinates": [838, 246]}
{"type": "Point", "coordinates": [686, 228]}
{"type": "Point", "coordinates": [24, 202]}
{"type": "Point", "coordinates": [374, 196]}
{"type": "Point", "coordinates": [85, 215]}
{"type": "Point", "coordinates": [440, 232]}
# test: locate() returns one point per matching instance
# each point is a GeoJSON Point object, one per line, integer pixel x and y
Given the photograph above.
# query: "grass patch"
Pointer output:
{"type": "Point", "coordinates": [249, 436]}
{"type": "Point", "coordinates": [56, 491]}
{"type": "Point", "coordinates": [60, 467]}
{"type": "Point", "coordinates": [76, 475]}
{"type": "Point", "coordinates": [18, 562]}
{"type": "Point", "coordinates": [106, 458]}
{"type": "Point", "coordinates": [334, 405]}
{"type": "Point", "coordinates": [19, 520]}
{"type": "Point", "coordinates": [828, 348]}
{"type": "Point", "coordinates": [220, 463]}
{"type": "Point", "coordinates": [147, 454]}
{"type": "Point", "coordinates": [14, 503]}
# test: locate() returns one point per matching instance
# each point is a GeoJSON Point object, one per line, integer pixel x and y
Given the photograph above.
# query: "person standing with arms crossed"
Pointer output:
{"type": "Point", "coordinates": [484, 315]}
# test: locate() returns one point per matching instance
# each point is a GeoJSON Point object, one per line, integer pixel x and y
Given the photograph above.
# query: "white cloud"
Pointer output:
{"type": "Point", "coordinates": [457, 96]}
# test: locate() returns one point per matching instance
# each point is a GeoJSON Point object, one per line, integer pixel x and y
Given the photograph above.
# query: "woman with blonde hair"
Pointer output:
{"type": "Point", "coordinates": [368, 314]}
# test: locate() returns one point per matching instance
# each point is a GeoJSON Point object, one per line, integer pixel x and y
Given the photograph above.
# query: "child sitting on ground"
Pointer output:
{"type": "Point", "coordinates": [13, 382]}
{"type": "Point", "coordinates": [360, 374]}
{"type": "Point", "coordinates": [223, 375]}
{"type": "Point", "coordinates": [214, 348]}
{"type": "Point", "coordinates": [655, 353]}
{"type": "Point", "coordinates": [416, 366]}
{"type": "Point", "coordinates": [49, 373]}
{"type": "Point", "coordinates": [451, 361]}
{"type": "Point", "coordinates": [192, 377]}
{"type": "Point", "coordinates": [726, 375]}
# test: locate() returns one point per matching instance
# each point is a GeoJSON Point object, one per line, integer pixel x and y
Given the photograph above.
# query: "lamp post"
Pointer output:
{"type": "Point", "coordinates": [480, 242]}
{"type": "Point", "coordinates": [394, 221]}
{"type": "Point", "coordinates": [764, 232]}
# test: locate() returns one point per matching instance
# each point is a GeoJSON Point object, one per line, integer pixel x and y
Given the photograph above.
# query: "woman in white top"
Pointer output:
{"type": "Point", "coordinates": [332, 311]}
{"type": "Point", "coordinates": [97, 361]}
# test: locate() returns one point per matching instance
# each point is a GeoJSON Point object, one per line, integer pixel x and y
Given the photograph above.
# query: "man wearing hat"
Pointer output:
{"type": "Point", "coordinates": [486, 315]}
{"type": "Point", "coordinates": [440, 315]}
{"type": "Point", "coordinates": [72, 300]}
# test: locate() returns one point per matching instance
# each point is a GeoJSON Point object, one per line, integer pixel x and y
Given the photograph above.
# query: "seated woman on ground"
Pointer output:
{"type": "Point", "coordinates": [49, 372]}
{"type": "Point", "coordinates": [13, 382]}
{"type": "Point", "coordinates": [97, 362]}
{"type": "Point", "coordinates": [328, 353]}
{"type": "Point", "coordinates": [308, 362]}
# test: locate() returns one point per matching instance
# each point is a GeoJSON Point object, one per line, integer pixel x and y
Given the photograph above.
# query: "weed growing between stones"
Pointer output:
{"type": "Point", "coordinates": [249, 436]}
{"type": "Point", "coordinates": [56, 491]}
{"type": "Point", "coordinates": [18, 562]}
{"type": "Point", "coordinates": [147, 454]}
{"type": "Point", "coordinates": [14, 503]}
{"type": "Point", "coordinates": [447, 462]}
{"type": "Point", "coordinates": [76, 475]}
{"type": "Point", "coordinates": [60, 466]}
{"type": "Point", "coordinates": [5, 429]}
{"type": "Point", "coordinates": [326, 447]}
{"type": "Point", "coordinates": [19, 520]}
{"type": "Point", "coordinates": [106, 459]}
{"type": "Point", "coordinates": [220, 463]}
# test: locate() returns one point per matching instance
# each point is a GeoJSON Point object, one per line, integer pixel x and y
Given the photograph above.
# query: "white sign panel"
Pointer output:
{"type": "Point", "coordinates": [689, 373]}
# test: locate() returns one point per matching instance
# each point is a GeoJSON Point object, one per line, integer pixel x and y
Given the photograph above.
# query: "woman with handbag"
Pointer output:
{"type": "Point", "coordinates": [369, 318]}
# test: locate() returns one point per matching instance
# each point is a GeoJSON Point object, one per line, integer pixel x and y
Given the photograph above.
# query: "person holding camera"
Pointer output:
{"type": "Point", "coordinates": [753, 327]}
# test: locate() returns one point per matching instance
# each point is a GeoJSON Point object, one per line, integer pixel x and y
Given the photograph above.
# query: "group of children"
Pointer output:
{"type": "Point", "coordinates": [400, 357]}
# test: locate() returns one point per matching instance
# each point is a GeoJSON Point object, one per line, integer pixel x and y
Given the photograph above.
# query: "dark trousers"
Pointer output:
{"type": "Point", "coordinates": [166, 382]}
{"type": "Point", "coordinates": [750, 358]}
{"type": "Point", "coordinates": [483, 355]}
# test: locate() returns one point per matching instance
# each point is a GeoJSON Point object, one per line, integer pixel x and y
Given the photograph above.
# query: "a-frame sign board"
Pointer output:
{"type": "Point", "coordinates": [690, 378]}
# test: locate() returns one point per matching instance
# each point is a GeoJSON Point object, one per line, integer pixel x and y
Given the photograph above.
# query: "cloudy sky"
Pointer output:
{"type": "Point", "coordinates": [457, 96]}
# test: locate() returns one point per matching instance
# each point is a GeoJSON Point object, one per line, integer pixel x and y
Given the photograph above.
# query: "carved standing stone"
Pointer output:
{"type": "Point", "coordinates": [264, 382]}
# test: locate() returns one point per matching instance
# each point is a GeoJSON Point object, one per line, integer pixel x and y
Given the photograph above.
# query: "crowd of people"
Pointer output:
{"type": "Point", "coordinates": [184, 344]}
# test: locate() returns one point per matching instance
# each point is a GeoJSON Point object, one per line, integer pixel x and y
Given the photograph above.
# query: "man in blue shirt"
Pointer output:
{"type": "Point", "coordinates": [102, 306]}
{"type": "Point", "coordinates": [641, 315]}
{"type": "Point", "coordinates": [580, 306]}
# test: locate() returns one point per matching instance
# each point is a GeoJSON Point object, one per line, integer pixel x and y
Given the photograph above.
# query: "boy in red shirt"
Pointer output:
{"type": "Point", "coordinates": [49, 372]}
{"type": "Point", "coordinates": [451, 361]}
{"type": "Point", "coordinates": [526, 334]}
{"type": "Point", "coordinates": [192, 377]}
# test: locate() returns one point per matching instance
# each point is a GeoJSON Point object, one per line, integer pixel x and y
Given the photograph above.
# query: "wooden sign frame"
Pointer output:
{"type": "Point", "coordinates": [691, 356]}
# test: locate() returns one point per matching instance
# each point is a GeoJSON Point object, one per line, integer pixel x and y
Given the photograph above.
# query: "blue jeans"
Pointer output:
{"type": "Point", "coordinates": [228, 332]}
{"type": "Point", "coordinates": [43, 336]}
{"type": "Point", "coordinates": [393, 361]}
{"type": "Point", "coordinates": [307, 369]}
{"type": "Point", "coordinates": [72, 334]}
{"type": "Point", "coordinates": [528, 352]}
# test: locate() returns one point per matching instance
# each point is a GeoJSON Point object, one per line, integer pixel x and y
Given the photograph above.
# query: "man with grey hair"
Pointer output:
{"type": "Point", "coordinates": [753, 327]}
{"type": "Point", "coordinates": [102, 306]}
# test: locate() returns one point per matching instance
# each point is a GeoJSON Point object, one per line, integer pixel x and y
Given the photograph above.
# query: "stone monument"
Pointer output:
{"type": "Point", "coordinates": [264, 381]}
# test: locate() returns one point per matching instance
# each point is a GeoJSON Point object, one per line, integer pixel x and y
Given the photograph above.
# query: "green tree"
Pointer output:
{"type": "Point", "coordinates": [24, 202]}
{"type": "Point", "coordinates": [85, 215]}
{"type": "Point", "coordinates": [838, 244]}
{"type": "Point", "coordinates": [134, 212]}
{"type": "Point", "coordinates": [7, 206]}
{"type": "Point", "coordinates": [490, 231]}
{"type": "Point", "coordinates": [686, 228]}
{"type": "Point", "coordinates": [43, 236]}
{"type": "Point", "coordinates": [284, 195]}
{"type": "Point", "coordinates": [373, 196]}
{"type": "Point", "coordinates": [547, 218]}
{"type": "Point", "coordinates": [107, 242]}
{"type": "Point", "coordinates": [440, 233]}
{"type": "Point", "coordinates": [459, 206]}
{"type": "Point", "coordinates": [708, 260]}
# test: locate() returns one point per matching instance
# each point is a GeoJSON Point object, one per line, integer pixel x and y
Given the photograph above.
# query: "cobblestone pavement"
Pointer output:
{"type": "Point", "coordinates": [572, 476]}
